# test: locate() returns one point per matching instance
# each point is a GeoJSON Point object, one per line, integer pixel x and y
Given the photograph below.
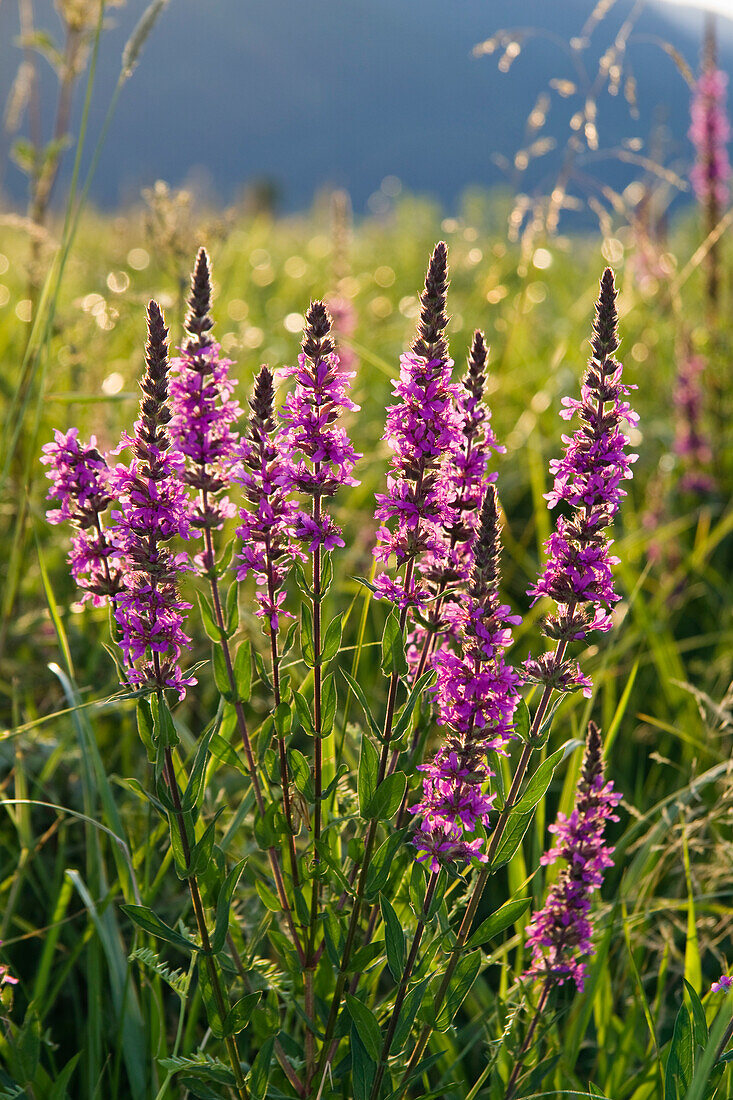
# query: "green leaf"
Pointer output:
{"type": "Point", "coordinates": [145, 729]}
{"type": "Point", "coordinates": [418, 887]}
{"type": "Point", "coordinates": [207, 618]}
{"type": "Point", "coordinates": [269, 828]}
{"type": "Point", "coordinates": [329, 702]}
{"type": "Point", "coordinates": [438, 894]}
{"type": "Point", "coordinates": [393, 647]}
{"type": "Point", "coordinates": [28, 1044]}
{"type": "Point", "coordinates": [540, 781]}
{"type": "Point", "coordinates": [221, 673]}
{"type": "Point", "coordinates": [243, 671]}
{"type": "Point", "coordinates": [239, 1014]}
{"type": "Point", "coordinates": [326, 571]}
{"type": "Point", "coordinates": [407, 1015]}
{"type": "Point", "coordinates": [678, 1075]}
{"type": "Point", "coordinates": [361, 698]}
{"type": "Point", "coordinates": [381, 863]}
{"type": "Point", "coordinates": [287, 645]}
{"type": "Point", "coordinates": [388, 797]}
{"type": "Point", "coordinates": [223, 751]}
{"type": "Point", "coordinates": [149, 921]}
{"type": "Point", "coordinates": [412, 699]}
{"type": "Point", "coordinates": [499, 921]}
{"type": "Point", "coordinates": [514, 830]}
{"type": "Point", "coordinates": [301, 773]}
{"type": "Point", "coordinates": [213, 1015]}
{"type": "Point", "coordinates": [699, 1023]}
{"type": "Point", "coordinates": [267, 897]}
{"type": "Point", "coordinates": [179, 852]}
{"type": "Point", "coordinates": [232, 618]}
{"type": "Point", "coordinates": [332, 640]}
{"type": "Point", "coordinates": [307, 644]}
{"type": "Point", "coordinates": [521, 720]}
{"type": "Point", "coordinates": [363, 1067]}
{"type": "Point", "coordinates": [366, 1025]}
{"type": "Point", "coordinates": [463, 978]}
{"type": "Point", "coordinates": [367, 777]}
{"type": "Point", "coordinates": [194, 793]}
{"type": "Point", "coordinates": [164, 730]}
{"type": "Point", "coordinates": [226, 557]}
{"type": "Point", "coordinates": [394, 938]}
{"type": "Point", "coordinates": [333, 936]}
{"type": "Point", "coordinates": [259, 1075]}
{"type": "Point", "coordinates": [201, 852]}
{"type": "Point", "coordinates": [304, 713]}
{"type": "Point", "coordinates": [223, 904]}
{"type": "Point", "coordinates": [59, 1090]}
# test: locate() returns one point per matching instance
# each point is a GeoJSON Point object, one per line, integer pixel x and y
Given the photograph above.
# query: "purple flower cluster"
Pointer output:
{"type": "Point", "coordinates": [268, 525]}
{"type": "Point", "coordinates": [690, 442]}
{"type": "Point", "coordinates": [81, 483]}
{"type": "Point", "coordinates": [476, 694]}
{"type": "Point", "coordinates": [153, 507]}
{"type": "Point", "coordinates": [723, 984]}
{"type": "Point", "coordinates": [709, 132]}
{"type": "Point", "coordinates": [422, 430]}
{"type": "Point", "coordinates": [578, 574]}
{"type": "Point", "coordinates": [464, 479]}
{"type": "Point", "coordinates": [320, 455]}
{"type": "Point", "coordinates": [204, 412]}
{"type": "Point", "coordinates": [560, 934]}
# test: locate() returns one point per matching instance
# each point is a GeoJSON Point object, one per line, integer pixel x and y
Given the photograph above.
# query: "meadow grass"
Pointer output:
{"type": "Point", "coordinates": [101, 1006]}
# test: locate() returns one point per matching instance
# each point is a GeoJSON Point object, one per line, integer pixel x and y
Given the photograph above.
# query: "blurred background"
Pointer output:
{"type": "Point", "coordinates": [278, 100]}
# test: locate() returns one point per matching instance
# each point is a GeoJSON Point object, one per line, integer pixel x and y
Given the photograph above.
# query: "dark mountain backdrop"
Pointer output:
{"type": "Point", "coordinates": [347, 92]}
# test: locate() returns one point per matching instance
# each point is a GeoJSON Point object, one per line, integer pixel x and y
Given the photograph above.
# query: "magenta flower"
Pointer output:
{"type": "Point", "coordinates": [690, 442]}
{"type": "Point", "coordinates": [153, 508]}
{"type": "Point", "coordinates": [81, 483]}
{"type": "Point", "coordinates": [578, 574]}
{"type": "Point", "coordinates": [710, 132]}
{"type": "Point", "coordinates": [464, 478]}
{"type": "Point", "coordinates": [723, 984]}
{"type": "Point", "coordinates": [203, 424]}
{"type": "Point", "coordinates": [267, 527]}
{"type": "Point", "coordinates": [560, 934]}
{"type": "Point", "coordinates": [476, 693]}
{"type": "Point", "coordinates": [423, 431]}
{"type": "Point", "coordinates": [320, 455]}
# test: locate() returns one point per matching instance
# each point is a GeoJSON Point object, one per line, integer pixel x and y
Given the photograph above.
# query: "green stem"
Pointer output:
{"type": "Point", "coordinates": [201, 923]}
{"type": "Point", "coordinates": [473, 904]}
{"type": "Point", "coordinates": [247, 744]}
{"type": "Point", "coordinates": [517, 1069]}
{"type": "Point", "coordinates": [311, 960]}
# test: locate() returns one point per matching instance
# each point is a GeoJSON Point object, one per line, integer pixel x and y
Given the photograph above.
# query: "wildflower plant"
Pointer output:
{"type": "Point", "coordinates": [326, 861]}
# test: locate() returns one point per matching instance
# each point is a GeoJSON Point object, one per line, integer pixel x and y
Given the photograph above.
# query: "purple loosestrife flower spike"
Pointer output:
{"type": "Point", "coordinates": [80, 482]}
{"type": "Point", "coordinates": [578, 573]}
{"type": "Point", "coordinates": [710, 132]}
{"type": "Point", "coordinates": [690, 441]}
{"type": "Point", "coordinates": [423, 431]}
{"type": "Point", "coordinates": [476, 694]}
{"type": "Point", "coordinates": [464, 480]}
{"type": "Point", "coordinates": [560, 934]}
{"type": "Point", "coordinates": [153, 508]}
{"type": "Point", "coordinates": [321, 456]}
{"type": "Point", "coordinates": [268, 524]}
{"type": "Point", "coordinates": [204, 412]}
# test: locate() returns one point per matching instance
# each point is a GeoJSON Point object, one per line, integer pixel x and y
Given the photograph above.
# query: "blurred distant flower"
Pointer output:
{"type": "Point", "coordinates": [560, 933]}
{"type": "Point", "coordinates": [691, 443]}
{"type": "Point", "coordinates": [710, 133]}
{"type": "Point", "coordinates": [723, 984]}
